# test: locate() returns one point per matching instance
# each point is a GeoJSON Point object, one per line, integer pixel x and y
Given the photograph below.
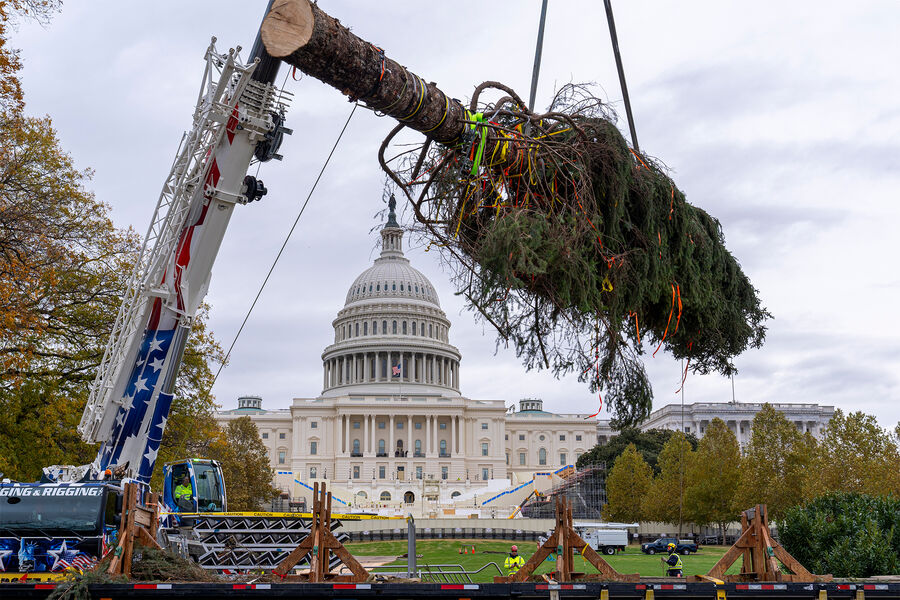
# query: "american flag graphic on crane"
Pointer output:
{"type": "Point", "coordinates": [144, 409]}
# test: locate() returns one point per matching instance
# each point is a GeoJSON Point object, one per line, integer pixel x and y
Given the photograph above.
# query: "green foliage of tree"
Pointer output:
{"type": "Point", "coordinates": [649, 443]}
{"type": "Point", "coordinates": [711, 494]}
{"type": "Point", "coordinates": [245, 464]}
{"type": "Point", "coordinates": [845, 534]}
{"type": "Point", "coordinates": [665, 498]}
{"type": "Point", "coordinates": [626, 486]}
{"type": "Point", "coordinates": [856, 455]}
{"type": "Point", "coordinates": [776, 464]}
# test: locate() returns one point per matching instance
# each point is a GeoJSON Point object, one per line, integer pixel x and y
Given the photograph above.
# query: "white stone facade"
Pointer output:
{"type": "Point", "coordinates": [390, 427]}
{"type": "Point", "coordinates": [811, 418]}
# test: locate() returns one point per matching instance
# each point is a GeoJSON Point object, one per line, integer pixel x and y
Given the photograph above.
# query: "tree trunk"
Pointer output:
{"type": "Point", "coordinates": [301, 34]}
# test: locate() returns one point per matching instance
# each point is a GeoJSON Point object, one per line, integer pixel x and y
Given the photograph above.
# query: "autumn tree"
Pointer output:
{"type": "Point", "coordinates": [776, 464]}
{"type": "Point", "coordinates": [856, 455]}
{"type": "Point", "coordinates": [63, 269]}
{"type": "Point", "coordinates": [648, 443]}
{"type": "Point", "coordinates": [665, 498]}
{"type": "Point", "coordinates": [711, 494]}
{"type": "Point", "coordinates": [245, 464]}
{"type": "Point", "coordinates": [626, 486]}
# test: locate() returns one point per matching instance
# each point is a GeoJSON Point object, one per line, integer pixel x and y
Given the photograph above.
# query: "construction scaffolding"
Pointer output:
{"type": "Point", "coordinates": [584, 490]}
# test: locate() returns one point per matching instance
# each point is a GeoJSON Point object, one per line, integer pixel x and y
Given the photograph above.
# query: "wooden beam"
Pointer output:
{"type": "Point", "coordinates": [722, 565]}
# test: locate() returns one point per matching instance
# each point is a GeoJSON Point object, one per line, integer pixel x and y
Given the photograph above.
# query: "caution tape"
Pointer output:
{"type": "Point", "coordinates": [284, 515]}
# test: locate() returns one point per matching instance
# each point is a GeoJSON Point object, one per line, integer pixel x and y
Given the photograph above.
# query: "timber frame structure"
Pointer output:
{"type": "Point", "coordinates": [320, 543]}
{"type": "Point", "coordinates": [759, 551]}
{"type": "Point", "coordinates": [563, 542]}
{"type": "Point", "coordinates": [140, 521]}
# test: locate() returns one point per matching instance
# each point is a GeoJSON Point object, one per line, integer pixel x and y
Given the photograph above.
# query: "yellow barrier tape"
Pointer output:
{"type": "Point", "coordinates": [284, 515]}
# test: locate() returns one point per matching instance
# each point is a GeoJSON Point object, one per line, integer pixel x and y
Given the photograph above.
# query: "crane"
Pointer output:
{"type": "Point", "coordinates": [239, 117]}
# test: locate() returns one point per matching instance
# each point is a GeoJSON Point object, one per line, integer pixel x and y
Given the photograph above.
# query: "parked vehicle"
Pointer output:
{"type": "Point", "coordinates": [658, 546]}
{"type": "Point", "coordinates": [606, 541]}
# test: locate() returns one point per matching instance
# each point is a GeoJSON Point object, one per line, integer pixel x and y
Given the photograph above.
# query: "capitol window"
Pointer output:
{"type": "Point", "coordinates": [577, 438]}
{"type": "Point", "coordinates": [542, 456]}
{"type": "Point", "coordinates": [382, 473]}
{"type": "Point", "coordinates": [281, 456]}
{"type": "Point", "coordinates": [414, 328]}
{"type": "Point", "coordinates": [381, 447]}
{"type": "Point", "coordinates": [521, 458]}
{"type": "Point", "coordinates": [265, 436]}
{"type": "Point", "coordinates": [562, 437]}
{"type": "Point", "coordinates": [381, 424]}
{"type": "Point", "coordinates": [430, 331]}
{"type": "Point", "coordinates": [401, 286]}
{"type": "Point", "coordinates": [521, 437]}
{"type": "Point", "coordinates": [418, 472]}
{"type": "Point", "coordinates": [366, 328]}
{"type": "Point", "coordinates": [394, 327]}
{"type": "Point", "coordinates": [484, 448]}
{"type": "Point", "coordinates": [418, 425]}
{"type": "Point", "coordinates": [562, 458]}
{"type": "Point", "coordinates": [314, 447]}
{"type": "Point", "coordinates": [355, 472]}
{"type": "Point", "coordinates": [384, 327]}
{"type": "Point", "coordinates": [444, 472]}
{"type": "Point", "coordinates": [356, 425]}
{"type": "Point", "coordinates": [485, 426]}
{"type": "Point", "coordinates": [422, 329]}
{"type": "Point", "coordinates": [312, 472]}
{"type": "Point", "coordinates": [404, 327]}
{"type": "Point", "coordinates": [484, 474]}
{"type": "Point", "coordinates": [378, 287]}
{"type": "Point", "coordinates": [394, 287]}
{"type": "Point", "coordinates": [385, 496]}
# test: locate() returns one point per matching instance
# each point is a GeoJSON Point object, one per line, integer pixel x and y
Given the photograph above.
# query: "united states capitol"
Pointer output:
{"type": "Point", "coordinates": [391, 432]}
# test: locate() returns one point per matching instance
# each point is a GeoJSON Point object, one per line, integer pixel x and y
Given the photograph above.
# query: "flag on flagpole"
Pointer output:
{"type": "Point", "coordinates": [395, 370]}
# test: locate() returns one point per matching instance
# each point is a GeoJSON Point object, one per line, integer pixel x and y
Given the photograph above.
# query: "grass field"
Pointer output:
{"type": "Point", "coordinates": [446, 552]}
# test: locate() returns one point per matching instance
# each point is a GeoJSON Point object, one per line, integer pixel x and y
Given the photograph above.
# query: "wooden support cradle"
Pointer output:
{"type": "Point", "coordinates": [563, 542]}
{"type": "Point", "coordinates": [320, 543]}
{"type": "Point", "coordinates": [139, 522]}
{"type": "Point", "coordinates": [759, 551]}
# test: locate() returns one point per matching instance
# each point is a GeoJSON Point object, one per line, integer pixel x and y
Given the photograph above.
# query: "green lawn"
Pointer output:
{"type": "Point", "coordinates": [446, 552]}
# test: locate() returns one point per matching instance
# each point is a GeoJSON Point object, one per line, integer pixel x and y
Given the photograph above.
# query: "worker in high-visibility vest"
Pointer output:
{"type": "Point", "coordinates": [514, 562]}
{"type": "Point", "coordinates": [673, 562]}
{"type": "Point", "coordinates": [184, 494]}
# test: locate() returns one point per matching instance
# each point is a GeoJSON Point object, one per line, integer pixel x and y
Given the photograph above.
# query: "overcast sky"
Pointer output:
{"type": "Point", "coordinates": [782, 119]}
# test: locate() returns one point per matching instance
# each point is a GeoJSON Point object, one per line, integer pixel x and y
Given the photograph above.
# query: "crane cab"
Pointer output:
{"type": "Point", "coordinates": [194, 485]}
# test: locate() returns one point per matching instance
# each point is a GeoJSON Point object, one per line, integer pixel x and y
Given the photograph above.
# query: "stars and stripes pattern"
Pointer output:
{"type": "Point", "coordinates": [395, 370]}
{"type": "Point", "coordinates": [141, 418]}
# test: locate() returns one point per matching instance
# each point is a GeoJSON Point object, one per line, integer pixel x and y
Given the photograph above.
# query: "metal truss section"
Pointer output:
{"type": "Point", "coordinates": [221, 543]}
{"type": "Point", "coordinates": [226, 92]}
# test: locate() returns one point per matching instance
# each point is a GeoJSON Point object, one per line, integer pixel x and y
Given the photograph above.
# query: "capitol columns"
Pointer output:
{"type": "Point", "coordinates": [392, 447]}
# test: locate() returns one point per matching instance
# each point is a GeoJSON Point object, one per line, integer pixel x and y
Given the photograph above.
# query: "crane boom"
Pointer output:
{"type": "Point", "coordinates": [238, 114]}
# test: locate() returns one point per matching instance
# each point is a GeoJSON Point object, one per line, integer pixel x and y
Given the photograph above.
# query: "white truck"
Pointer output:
{"type": "Point", "coordinates": [606, 541]}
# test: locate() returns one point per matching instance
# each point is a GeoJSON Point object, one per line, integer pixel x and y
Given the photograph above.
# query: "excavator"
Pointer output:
{"type": "Point", "coordinates": [70, 518]}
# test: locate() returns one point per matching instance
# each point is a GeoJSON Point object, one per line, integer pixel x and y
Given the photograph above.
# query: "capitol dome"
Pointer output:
{"type": "Point", "coordinates": [391, 338]}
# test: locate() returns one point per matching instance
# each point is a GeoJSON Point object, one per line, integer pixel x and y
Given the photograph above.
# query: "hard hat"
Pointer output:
{"type": "Point", "coordinates": [514, 549]}
{"type": "Point", "coordinates": [671, 546]}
